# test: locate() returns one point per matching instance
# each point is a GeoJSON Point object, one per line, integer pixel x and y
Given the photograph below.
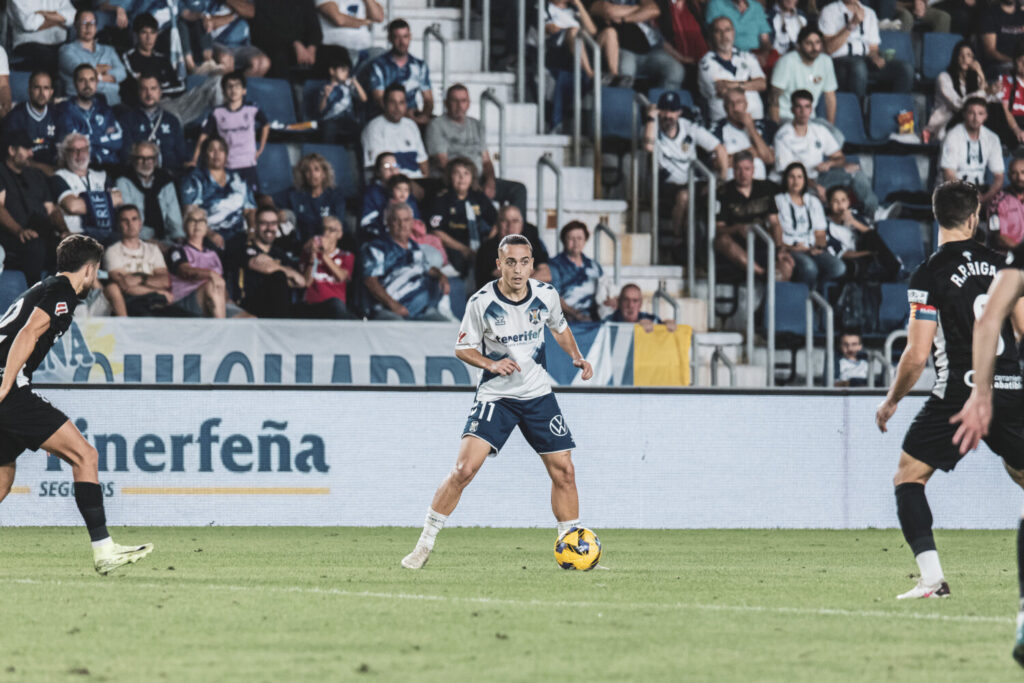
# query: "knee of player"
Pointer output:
{"type": "Point", "coordinates": [565, 473]}
{"type": "Point", "coordinates": [462, 474]}
{"type": "Point", "coordinates": [87, 456]}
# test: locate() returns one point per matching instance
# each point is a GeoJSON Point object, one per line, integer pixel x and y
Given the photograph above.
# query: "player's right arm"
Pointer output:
{"type": "Point", "coordinates": [920, 335]}
{"type": "Point", "coordinates": [503, 366]}
{"type": "Point", "coordinates": [21, 348]}
{"type": "Point", "coordinates": [471, 339]}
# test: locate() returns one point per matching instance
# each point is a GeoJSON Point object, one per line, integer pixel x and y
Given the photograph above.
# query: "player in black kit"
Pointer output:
{"type": "Point", "coordinates": [947, 293]}
{"type": "Point", "coordinates": [27, 332]}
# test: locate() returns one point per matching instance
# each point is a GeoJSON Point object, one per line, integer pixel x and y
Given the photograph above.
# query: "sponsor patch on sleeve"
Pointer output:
{"type": "Point", "coordinates": [917, 296]}
{"type": "Point", "coordinates": [61, 308]}
{"type": "Point", "coordinates": [923, 312]}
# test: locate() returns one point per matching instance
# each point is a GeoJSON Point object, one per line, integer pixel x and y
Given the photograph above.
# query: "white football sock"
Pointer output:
{"type": "Point", "coordinates": [433, 524]}
{"type": "Point", "coordinates": [931, 570]}
{"type": "Point", "coordinates": [565, 526]}
{"type": "Point", "coordinates": [106, 541]}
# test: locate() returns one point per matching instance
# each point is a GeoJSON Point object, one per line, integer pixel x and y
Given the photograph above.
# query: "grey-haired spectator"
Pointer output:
{"type": "Point", "coordinates": [86, 196]}
{"type": "Point", "coordinates": [151, 188]}
{"type": "Point", "coordinates": [726, 67]}
{"type": "Point", "coordinates": [629, 310]}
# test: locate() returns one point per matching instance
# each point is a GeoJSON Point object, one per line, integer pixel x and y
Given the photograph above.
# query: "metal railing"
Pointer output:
{"type": "Point", "coordinates": [543, 161]}
{"type": "Point", "coordinates": [757, 232]}
{"type": "Point", "coordinates": [521, 54]}
{"type": "Point", "coordinates": [817, 300]}
{"type": "Point", "coordinates": [600, 229]}
{"type": "Point", "coordinates": [583, 41]}
{"type": "Point", "coordinates": [541, 70]}
{"type": "Point", "coordinates": [890, 341]}
{"type": "Point", "coordinates": [435, 31]}
{"type": "Point", "coordinates": [485, 37]}
{"type": "Point", "coordinates": [874, 356]}
{"type": "Point", "coordinates": [640, 104]}
{"type": "Point", "coordinates": [697, 167]}
{"type": "Point", "coordinates": [467, 17]}
{"type": "Point", "coordinates": [389, 12]}
{"type": "Point", "coordinates": [491, 96]}
{"type": "Point", "coordinates": [662, 293]}
{"type": "Point", "coordinates": [719, 356]}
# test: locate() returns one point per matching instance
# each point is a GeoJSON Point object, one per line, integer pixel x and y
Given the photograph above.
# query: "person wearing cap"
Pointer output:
{"type": "Point", "coordinates": [38, 120]}
{"type": "Point", "coordinates": [25, 208]}
{"type": "Point", "coordinates": [677, 139]}
{"type": "Point", "coordinates": [725, 67]}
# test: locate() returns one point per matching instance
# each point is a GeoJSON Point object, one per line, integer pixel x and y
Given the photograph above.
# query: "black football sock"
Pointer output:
{"type": "Point", "coordinates": [89, 498]}
{"type": "Point", "coordinates": [915, 517]}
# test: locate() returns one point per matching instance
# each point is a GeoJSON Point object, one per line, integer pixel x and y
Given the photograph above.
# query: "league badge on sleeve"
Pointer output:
{"type": "Point", "coordinates": [61, 308]}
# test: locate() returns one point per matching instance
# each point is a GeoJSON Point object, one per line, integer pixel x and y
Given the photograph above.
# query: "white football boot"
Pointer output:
{"type": "Point", "coordinates": [110, 556]}
{"type": "Point", "coordinates": [938, 590]}
{"type": "Point", "coordinates": [417, 558]}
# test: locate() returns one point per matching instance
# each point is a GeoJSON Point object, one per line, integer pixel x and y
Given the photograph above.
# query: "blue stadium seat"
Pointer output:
{"type": "Point", "coordinates": [900, 42]}
{"type": "Point", "coordinates": [790, 308]}
{"type": "Point", "coordinates": [684, 96]}
{"type": "Point", "coordinates": [346, 169]}
{"type": "Point", "coordinates": [275, 169]}
{"type": "Point", "coordinates": [895, 174]}
{"type": "Point", "coordinates": [893, 310]}
{"type": "Point", "coordinates": [617, 113]}
{"type": "Point", "coordinates": [848, 118]}
{"type": "Point", "coordinates": [903, 237]}
{"type": "Point", "coordinates": [309, 107]}
{"type": "Point", "coordinates": [935, 54]}
{"type": "Point", "coordinates": [12, 283]}
{"type": "Point", "coordinates": [19, 86]}
{"type": "Point", "coordinates": [274, 96]}
{"type": "Point", "coordinates": [882, 110]}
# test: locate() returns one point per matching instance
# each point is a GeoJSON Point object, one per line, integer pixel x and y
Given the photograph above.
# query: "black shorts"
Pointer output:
{"type": "Point", "coordinates": [26, 421]}
{"type": "Point", "coordinates": [930, 437]}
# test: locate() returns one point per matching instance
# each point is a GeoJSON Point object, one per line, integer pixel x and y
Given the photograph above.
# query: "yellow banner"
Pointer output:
{"type": "Point", "coordinates": [662, 358]}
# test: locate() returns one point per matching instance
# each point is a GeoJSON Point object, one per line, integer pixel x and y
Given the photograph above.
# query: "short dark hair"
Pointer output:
{"type": "Point", "coordinates": [40, 72]}
{"type": "Point", "coordinates": [809, 30]}
{"type": "Point", "coordinates": [510, 240]}
{"type": "Point", "coordinates": [337, 59]}
{"type": "Point", "coordinates": [145, 75]}
{"type": "Point", "coordinates": [145, 20]}
{"type": "Point", "coordinates": [972, 101]}
{"type": "Point", "coordinates": [397, 24]}
{"type": "Point", "coordinates": [236, 75]}
{"type": "Point", "coordinates": [394, 87]}
{"type": "Point", "coordinates": [82, 67]}
{"type": "Point", "coordinates": [953, 202]}
{"type": "Point", "coordinates": [793, 166]}
{"type": "Point", "coordinates": [380, 160]}
{"type": "Point", "coordinates": [455, 88]}
{"type": "Point", "coordinates": [75, 251]}
{"type": "Point", "coordinates": [742, 155]}
{"type": "Point", "coordinates": [802, 95]}
{"type": "Point", "coordinates": [831, 192]}
{"type": "Point", "coordinates": [396, 180]}
{"type": "Point", "coordinates": [569, 227]}
{"type": "Point", "coordinates": [121, 210]}
{"type": "Point", "coordinates": [206, 146]}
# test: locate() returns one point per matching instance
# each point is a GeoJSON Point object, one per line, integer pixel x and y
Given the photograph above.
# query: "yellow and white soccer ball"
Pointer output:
{"type": "Point", "coordinates": [578, 548]}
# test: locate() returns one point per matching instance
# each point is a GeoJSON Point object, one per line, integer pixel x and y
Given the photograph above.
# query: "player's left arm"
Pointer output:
{"type": "Point", "coordinates": [568, 344]}
{"type": "Point", "coordinates": [920, 335]}
{"type": "Point", "coordinates": [21, 348]}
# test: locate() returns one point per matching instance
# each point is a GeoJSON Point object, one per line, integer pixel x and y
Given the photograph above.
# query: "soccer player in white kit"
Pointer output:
{"type": "Point", "coordinates": [502, 333]}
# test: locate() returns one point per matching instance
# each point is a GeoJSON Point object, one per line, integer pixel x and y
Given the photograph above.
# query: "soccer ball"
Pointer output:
{"type": "Point", "coordinates": [578, 548]}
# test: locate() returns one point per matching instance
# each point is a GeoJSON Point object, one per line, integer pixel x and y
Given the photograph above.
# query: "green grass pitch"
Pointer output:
{"type": "Point", "coordinates": [330, 604]}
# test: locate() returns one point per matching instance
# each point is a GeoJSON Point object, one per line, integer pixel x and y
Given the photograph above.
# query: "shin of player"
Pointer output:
{"type": "Point", "coordinates": [502, 334]}
{"type": "Point", "coordinates": [28, 330]}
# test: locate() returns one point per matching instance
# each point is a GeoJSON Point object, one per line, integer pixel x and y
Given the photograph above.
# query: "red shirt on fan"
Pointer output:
{"type": "Point", "coordinates": [1012, 92]}
{"type": "Point", "coordinates": [687, 38]}
{"type": "Point", "coordinates": [325, 285]}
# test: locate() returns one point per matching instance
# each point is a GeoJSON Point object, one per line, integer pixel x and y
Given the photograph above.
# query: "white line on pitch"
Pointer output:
{"type": "Point", "coordinates": [764, 609]}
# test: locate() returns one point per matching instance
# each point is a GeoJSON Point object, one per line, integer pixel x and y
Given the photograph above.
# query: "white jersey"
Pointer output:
{"type": "Point", "coordinates": [501, 328]}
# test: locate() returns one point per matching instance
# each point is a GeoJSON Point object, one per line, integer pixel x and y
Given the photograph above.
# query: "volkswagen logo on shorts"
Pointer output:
{"type": "Point", "coordinates": [557, 426]}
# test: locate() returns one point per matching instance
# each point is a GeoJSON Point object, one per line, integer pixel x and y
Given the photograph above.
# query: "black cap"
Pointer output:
{"type": "Point", "coordinates": [670, 101]}
{"type": "Point", "coordinates": [18, 138]}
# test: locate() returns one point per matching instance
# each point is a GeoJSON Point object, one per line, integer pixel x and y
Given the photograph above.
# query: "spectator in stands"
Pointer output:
{"type": "Point", "coordinates": [739, 131]}
{"type": "Point", "coordinates": [393, 132]}
{"type": "Point", "coordinates": [85, 49]}
{"type": "Point", "coordinates": [328, 270]}
{"type": "Point", "coordinates": [226, 197]}
{"type": "Point", "coordinates": [314, 196]}
{"type": "Point", "coordinates": [630, 301]}
{"type": "Point", "coordinates": [288, 32]}
{"type": "Point", "coordinates": [270, 274]}
{"type": "Point", "coordinates": [222, 26]}
{"type": "Point", "coordinates": [25, 209]}
{"type": "Point", "coordinates": [816, 148]}
{"type": "Point", "coordinates": [753, 31]}
{"type": "Point", "coordinates": [139, 282]}
{"type": "Point", "coordinates": [743, 202]}
{"type": "Point", "coordinates": [85, 195]}
{"type": "Point", "coordinates": [577, 277]}
{"type": "Point", "coordinates": [1006, 225]}
{"type": "Point", "coordinates": [339, 121]}
{"type": "Point", "coordinates": [726, 67]}
{"type": "Point", "coordinates": [681, 24]}
{"type": "Point", "coordinates": [970, 149]}
{"type": "Point", "coordinates": [564, 20]}
{"type": "Point", "coordinates": [642, 53]}
{"type": "Point", "coordinates": [346, 23]}
{"type": "Point", "coordinates": [90, 115]}
{"type": "Point", "coordinates": [5, 83]}
{"type": "Point", "coordinates": [377, 195]}
{"type": "Point", "coordinates": [1010, 125]}
{"type": "Point", "coordinates": [852, 39]}
{"type": "Point", "coordinates": [239, 124]}
{"type": "Point", "coordinates": [197, 275]}
{"type": "Point", "coordinates": [510, 222]}
{"type": "Point", "coordinates": [398, 67]}
{"type": "Point", "coordinates": [852, 366]}
{"type": "Point", "coordinates": [144, 60]}
{"type": "Point", "coordinates": [805, 230]}
{"type": "Point", "coordinates": [963, 78]}
{"type": "Point", "coordinates": [461, 215]}
{"type": "Point", "coordinates": [1002, 35]}
{"type": "Point", "coordinates": [786, 21]}
{"type": "Point", "coordinates": [457, 135]}
{"type": "Point", "coordinates": [37, 119]}
{"type": "Point", "coordinates": [805, 68]}
{"type": "Point", "coordinates": [38, 29]}
{"type": "Point", "coordinates": [401, 190]}
{"type": "Point", "coordinates": [852, 238]}
{"type": "Point", "coordinates": [151, 189]}
{"type": "Point", "coordinates": [150, 121]}
{"type": "Point", "coordinates": [677, 139]}
{"type": "Point", "coordinates": [396, 273]}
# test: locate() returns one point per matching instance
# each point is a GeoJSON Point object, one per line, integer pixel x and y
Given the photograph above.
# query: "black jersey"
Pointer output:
{"type": "Point", "coordinates": [57, 298]}
{"type": "Point", "coordinates": [951, 288]}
